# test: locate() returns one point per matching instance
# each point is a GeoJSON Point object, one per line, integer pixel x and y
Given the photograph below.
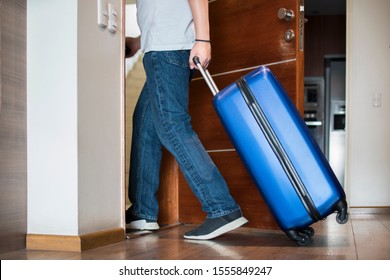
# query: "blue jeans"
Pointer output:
{"type": "Point", "coordinates": [161, 119]}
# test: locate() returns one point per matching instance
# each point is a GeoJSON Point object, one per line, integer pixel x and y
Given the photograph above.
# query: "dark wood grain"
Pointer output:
{"type": "Point", "coordinates": [325, 35]}
{"type": "Point", "coordinates": [248, 33]}
{"type": "Point", "coordinates": [168, 190]}
{"type": "Point", "coordinates": [13, 126]}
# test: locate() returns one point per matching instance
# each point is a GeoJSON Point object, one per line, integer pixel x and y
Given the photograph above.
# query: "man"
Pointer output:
{"type": "Point", "coordinates": [172, 33]}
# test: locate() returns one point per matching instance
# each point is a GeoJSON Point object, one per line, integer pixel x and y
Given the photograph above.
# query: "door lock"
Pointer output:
{"type": "Point", "coordinates": [289, 35]}
{"type": "Point", "coordinates": [285, 14]}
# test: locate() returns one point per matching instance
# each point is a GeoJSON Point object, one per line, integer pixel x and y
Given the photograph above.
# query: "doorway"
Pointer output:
{"type": "Point", "coordinates": [324, 106]}
{"type": "Point", "coordinates": [135, 79]}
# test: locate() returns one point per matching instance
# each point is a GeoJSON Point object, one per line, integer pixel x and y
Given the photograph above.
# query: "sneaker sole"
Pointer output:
{"type": "Point", "coordinates": [224, 229]}
{"type": "Point", "coordinates": [143, 225]}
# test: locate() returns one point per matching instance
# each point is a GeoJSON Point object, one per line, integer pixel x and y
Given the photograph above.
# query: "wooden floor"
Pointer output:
{"type": "Point", "coordinates": [363, 237]}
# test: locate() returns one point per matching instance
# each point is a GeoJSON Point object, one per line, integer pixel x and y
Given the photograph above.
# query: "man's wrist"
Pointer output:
{"type": "Point", "coordinates": [202, 40]}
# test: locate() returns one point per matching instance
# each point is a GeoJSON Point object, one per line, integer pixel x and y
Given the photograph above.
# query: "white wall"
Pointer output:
{"type": "Point", "coordinates": [100, 120]}
{"type": "Point", "coordinates": [75, 119]}
{"type": "Point", "coordinates": [132, 30]}
{"type": "Point", "coordinates": [52, 116]}
{"type": "Point", "coordinates": [368, 72]}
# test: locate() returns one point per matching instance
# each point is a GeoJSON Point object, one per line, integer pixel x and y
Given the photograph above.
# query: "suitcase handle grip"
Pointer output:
{"type": "Point", "coordinates": [206, 75]}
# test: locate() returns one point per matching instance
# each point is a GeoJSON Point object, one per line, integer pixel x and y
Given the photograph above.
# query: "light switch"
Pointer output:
{"type": "Point", "coordinates": [112, 18]}
{"type": "Point", "coordinates": [102, 13]}
{"type": "Point", "coordinates": [376, 99]}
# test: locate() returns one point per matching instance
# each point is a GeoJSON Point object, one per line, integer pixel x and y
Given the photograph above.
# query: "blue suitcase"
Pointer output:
{"type": "Point", "coordinates": [279, 152]}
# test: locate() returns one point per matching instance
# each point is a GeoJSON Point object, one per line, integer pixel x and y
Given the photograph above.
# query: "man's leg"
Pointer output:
{"type": "Point", "coordinates": [168, 82]}
{"type": "Point", "coordinates": [144, 168]}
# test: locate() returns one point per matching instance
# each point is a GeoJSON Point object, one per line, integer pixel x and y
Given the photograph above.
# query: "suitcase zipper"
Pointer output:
{"type": "Point", "coordinates": [278, 149]}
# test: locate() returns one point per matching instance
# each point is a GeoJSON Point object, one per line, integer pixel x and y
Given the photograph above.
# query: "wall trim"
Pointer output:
{"type": "Point", "coordinates": [370, 210]}
{"type": "Point", "coordinates": [74, 243]}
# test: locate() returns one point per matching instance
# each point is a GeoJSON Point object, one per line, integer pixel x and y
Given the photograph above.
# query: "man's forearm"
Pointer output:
{"type": "Point", "coordinates": [200, 14]}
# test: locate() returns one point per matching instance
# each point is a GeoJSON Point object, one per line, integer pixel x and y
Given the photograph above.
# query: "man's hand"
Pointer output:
{"type": "Point", "coordinates": [132, 46]}
{"type": "Point", "coordinates": [202, 48]}
{"type": "Point", "coordinates": [203, 51]}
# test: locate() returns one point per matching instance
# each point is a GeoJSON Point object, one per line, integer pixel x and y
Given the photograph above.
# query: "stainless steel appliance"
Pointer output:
{"type": "Point", "coordinates": [324, 112]}
{"type": "Point", "coordinates": [314, 108]}
{"type": "Point", "coordinates": [335, 114]}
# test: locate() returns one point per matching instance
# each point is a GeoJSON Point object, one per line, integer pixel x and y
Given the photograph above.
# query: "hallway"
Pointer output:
{"type": "Point", "coordinates": [363, 237]}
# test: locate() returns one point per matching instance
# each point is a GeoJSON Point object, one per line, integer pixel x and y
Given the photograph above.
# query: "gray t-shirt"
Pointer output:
{"type": "Point", "coordinates": [166, 25]}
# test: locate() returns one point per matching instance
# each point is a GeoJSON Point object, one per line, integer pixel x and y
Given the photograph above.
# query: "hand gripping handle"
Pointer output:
{"type": "Point", "coordinates": [206, 75]}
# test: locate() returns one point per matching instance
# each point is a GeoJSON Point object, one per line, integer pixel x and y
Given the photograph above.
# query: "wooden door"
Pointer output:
{"type": "Point", "coordinates": [244, 35]}
{"type": "Point", "coordinates": [13, 125]}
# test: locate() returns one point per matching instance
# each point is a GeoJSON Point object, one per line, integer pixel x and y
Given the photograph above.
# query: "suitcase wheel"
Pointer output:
{"type": "Point", "coordinates": [302, 236]}
{"type": "Point", "coordinates": [342, 218]}
{"type": "Point", "coordinates": [342, 212]}
{"type": "Point", "coordinates": [309, 231]}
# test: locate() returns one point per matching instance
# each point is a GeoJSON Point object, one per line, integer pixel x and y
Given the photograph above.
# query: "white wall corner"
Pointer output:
{"type": "Point", "coordinates": [75, 119]}
{"type": "Point", "coordinates": [368, 72]}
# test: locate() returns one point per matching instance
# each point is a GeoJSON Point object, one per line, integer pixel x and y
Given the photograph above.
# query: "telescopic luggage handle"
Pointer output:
{"type": "Point", "coordinates": [206, 75]}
